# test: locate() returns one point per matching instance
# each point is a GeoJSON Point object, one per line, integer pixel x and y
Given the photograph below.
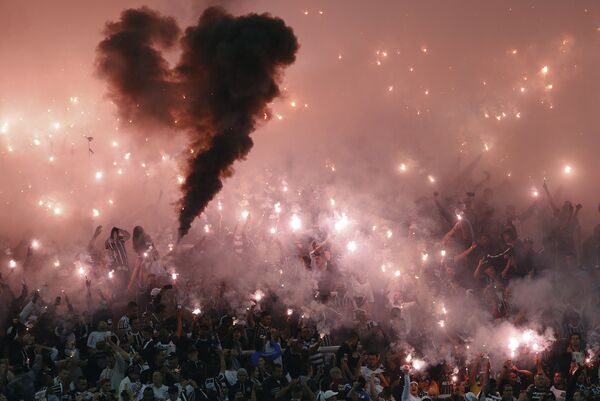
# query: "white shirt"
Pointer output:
{"type": "Point", "coordinates": [366, 372]}
{"type": "Point", "coordinates": [126, 384]}
{"type": "Point", "coordinates": [159, 392]}
{"type": "Point", "coordinates": [96, 336]}
{"type": "Point", "coordinates": [559, 394]}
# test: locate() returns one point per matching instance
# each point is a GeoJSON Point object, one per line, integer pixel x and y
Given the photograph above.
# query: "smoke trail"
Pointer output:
{"type": "Point", "coordinates": [232, 65]}
{"type": "Point", "coordinates": [228, 73]}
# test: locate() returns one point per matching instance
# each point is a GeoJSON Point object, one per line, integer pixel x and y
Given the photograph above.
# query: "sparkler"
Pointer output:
{"type": "Point", "coordinates": [295, 223]}
{"type": "Point", "coordinates": [257, 295]}
{"type": "Point", "coordinates": [351, 246]}
{"type": "Point", "coordinates": [341, 223]}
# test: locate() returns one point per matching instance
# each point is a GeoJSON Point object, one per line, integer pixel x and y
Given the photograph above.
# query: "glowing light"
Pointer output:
{"type": "Point", "coordinates": [206, 228]}
{"type": "Point", "coordinates": [51, 159]}
{"type": "Point", "coordinates": [408, 358]}
{"type": "Point", "coordinates": [35, 244]}
{"type": "Point", "coordinates": [258, 295]}
{"type": "Point", "coordinates": [431, 178]}
{"type": "Point", "coordinates": [290, 312]}
{"type": "Point", "coordinates": [390, 88]}
{"type": "Point", "coordinates": [514, 51]}
{"type": "Point", "coordinates": [341, 223]}
{"type": "Point", "coordinates": [454, 378]}
{"type": "Point", "coordinates": [115, 144]}
{"type": "Point", "coordinates": [12, 264]}
{"type": "Point", "coordinates": [95, 213]}
{"type": "Point", "coordinates": [196, 311]}
{"type": "Point", "coordinates": [397, 273]}
{"type": "Point", "coordinates": [73, 99]}
{"type": "Point", "coordinates": [351, 246]}
{"type": "Point", "coordinates": [486, 147]}
{"type": "Point", "coordinates": [295, 223]}
{"type": "Point", "coordinates": [443, 252]}
{"type": "Point", "coordinates": [57, 211]}
{"type": "Point", "coordinates": [418, 364]}
{"type": "Point", "coordinates": [4, 128]}
{"type": "Point", "coordinates": [180, 179]}
{"type": "Point", "coordinates": [56, 125]}
{"type": "Point", "coordinates": [424, 49]}
{"type": "Point", "coordinates": [442, 324]}
{"type": "Point", "coordinates": [549, 86]}
{"type": "Point", "coordinates": [273, 230]}
{"type": "Point", "coordinates": [111, 274]}
{"type": "Point", "coordinates": [56, 263]}
{"type": "Point", "coordinates": [99, 175]}
{"type": "Point", "coordinates": [513, 344]}
{"type": "Point", "coordinates": [522, 89]}
{"type": "Point", "coordinates": [174, 276]}
{"type": "Point", "coordinates": [81, 271]}
{"type": "Point", "coordinates": [568, 169]}
{"type": "Point", "coordinates": [402, 167]}
{"type": "Point", "coordinates": [383, 268]}
{"type": "Point", "coordinates": [285, 188]}
{"type": "Point", "coordinates": [544, 70]}
{"type": "Point", "coordinates": [245, 214]}
{"type": "Point", "coordinates": [389, 233]}
{"type": "Point", "coordinates": [127, 155]}
{"type": "Point", "coordinates": [219, 206]}
{"type": "Point", "coordinates": [332, 202]}
{"type": "Point", "coordinates": [36, 142]}
{"type": "Point", "coordinates": [424, 257]}
{"type": "Point", "coordinates": [293, 103]}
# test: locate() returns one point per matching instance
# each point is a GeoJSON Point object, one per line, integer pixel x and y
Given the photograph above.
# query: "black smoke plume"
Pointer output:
{"type": "Point", "coordinates": [227, 75]}
{"type": "Point", "coordinates": [140, 81]}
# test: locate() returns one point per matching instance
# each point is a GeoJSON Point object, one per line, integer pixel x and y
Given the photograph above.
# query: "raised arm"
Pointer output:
{"type": "Point", "coordinates": [550, 199]}
{"type": "Point", "coordinates": [406, 389]}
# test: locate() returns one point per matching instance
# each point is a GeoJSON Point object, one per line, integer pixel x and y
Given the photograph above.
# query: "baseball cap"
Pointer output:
{"type": "Point", "coordinates": [328, 394]}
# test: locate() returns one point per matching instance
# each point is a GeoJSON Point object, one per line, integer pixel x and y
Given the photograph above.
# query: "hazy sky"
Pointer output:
{"type": "Point", "coordinates": [431, 84]}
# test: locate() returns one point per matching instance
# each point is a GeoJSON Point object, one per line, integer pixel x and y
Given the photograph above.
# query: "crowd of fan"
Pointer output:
{"type": "Point", "coordinates": [153, 346]}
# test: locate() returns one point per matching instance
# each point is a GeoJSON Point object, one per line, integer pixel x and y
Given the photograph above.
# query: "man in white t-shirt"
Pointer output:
{"type": "Point", "coordinates": [161, 392]}
{"type": "Point", "coordinates": [375, 369]}
{"type": "Point", "coordinates": [558, 387]}
{"type": "Point", "coordinates": [99, 335]}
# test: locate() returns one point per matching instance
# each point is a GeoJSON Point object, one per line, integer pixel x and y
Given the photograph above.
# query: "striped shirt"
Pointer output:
{"type": "Point", "coordinates": [117, 251]}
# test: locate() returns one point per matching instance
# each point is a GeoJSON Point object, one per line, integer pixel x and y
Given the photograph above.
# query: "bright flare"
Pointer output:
{"type": "Point", "coordinates": [295, 223]}
{"type": "Point", "coordinates": [351, 246]}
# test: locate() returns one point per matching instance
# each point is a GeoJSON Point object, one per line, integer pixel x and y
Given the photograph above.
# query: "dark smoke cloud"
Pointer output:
{"type": "Point", "coordinates": [228, 74]}
{"type": "Point", "coordinates": [140, 81]}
